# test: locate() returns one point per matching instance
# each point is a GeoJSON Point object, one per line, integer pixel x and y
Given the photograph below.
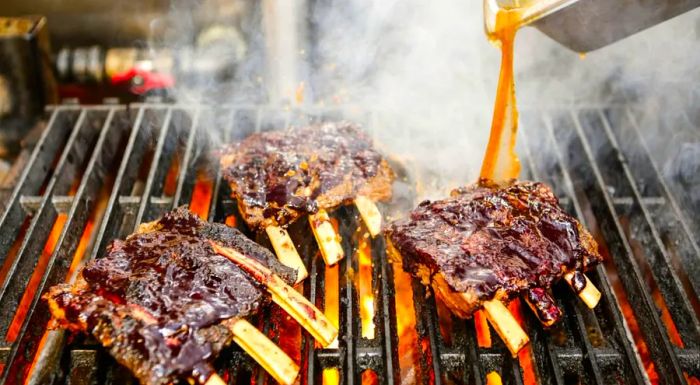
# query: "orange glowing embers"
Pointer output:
{"type": "Point", "coordinates": [634, 329]}
{"type": "Point", "coordinates": [201, 196]}
{"type": "Point", "coordinates": [35, 279]}
{"type": "Point", "coordinates": [170, 184]}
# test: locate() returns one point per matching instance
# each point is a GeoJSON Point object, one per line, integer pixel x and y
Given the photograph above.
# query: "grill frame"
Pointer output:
{"type": "Point", "coordinates": [152, 134]}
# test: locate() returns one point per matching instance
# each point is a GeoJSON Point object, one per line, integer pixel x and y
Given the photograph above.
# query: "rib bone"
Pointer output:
{"type": "Point", "coordinates": [583, 286]}
{"type": "Point", "coordinates": [303, 311]}
{"type": "Point", "coordinates": [286, 252]}
{"type": "Point", "coordinates": [506, 326]}
{"type": "Point", "coordinates": [276, 362]}
{"type": "Point", "coordinates": [370, 214]}
{"type": "Point", "coordinates": [326, 237]}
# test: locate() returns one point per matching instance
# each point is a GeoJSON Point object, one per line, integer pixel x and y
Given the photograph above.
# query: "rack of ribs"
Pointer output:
{"type": "Point", "coordinates": [279, 176]}
{"type": "Point", "coordinates": [487, 244]}
{"type": "Point", "coordinates": [164, 302]}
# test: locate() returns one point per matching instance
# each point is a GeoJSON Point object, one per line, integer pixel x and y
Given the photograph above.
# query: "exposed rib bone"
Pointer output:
{"type": "Point", "coordinates": [303, 311]}
{"type": "Point", "coordinates": [326, 237]}
{"type": "Point", "coordinates": [506, 326]}
{"type": "Point", "coordinates": [370, 214]}
{"type": "Point", "coordinates": [276, 362]}
{"type": "Point", "coordinates": [286, 252]}
{"type": "Point", "coordinates": [588, 293]}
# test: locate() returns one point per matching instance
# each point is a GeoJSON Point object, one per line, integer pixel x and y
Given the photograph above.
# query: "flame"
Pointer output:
{"type": "Point", "coordinates": [444, 316]}
{"type": "Point", "coordinates": [633, 326]}
{"type": "Point", "coordinates": [231, 221]}
{"type": "Point", "coordinates": [483, 333]}
{"type": "Point", "coordinates": [287, 331]}
{"type": "Point", "coordinates": [331, 306]}
{"type": "Point", "coordinates": [331, 309]}
{"type": "Point", "coordinates": [364, 284]}
{"type": "Point", "coordinates": [76, 263]}
{"type": "Point", "coordinates": [14, 249]}
{"type": "Point", "coordinates": [170, 184]}
{"type": "Point", "coordinates": [331, 376]}
{"type": "Point", "coordinates": [201, 195]}
{"type": "Point", "coordinates": [369, 377]}
{"type": "Point", "coordinates": [409, 354]}
{"type": "Point", "coordinates": [493, 378]}
{"type": "Point", "coordinates": [673, 334]}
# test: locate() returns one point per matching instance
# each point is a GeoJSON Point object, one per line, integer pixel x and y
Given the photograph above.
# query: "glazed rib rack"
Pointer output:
{"type": "Point", "coordinates": [98, 171]}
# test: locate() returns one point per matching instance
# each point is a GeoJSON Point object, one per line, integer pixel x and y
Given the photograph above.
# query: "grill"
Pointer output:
{"type": "Point", "coordinates": [99, 171]}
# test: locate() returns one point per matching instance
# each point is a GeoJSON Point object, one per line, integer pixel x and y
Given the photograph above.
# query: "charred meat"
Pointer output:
{"type": "Point", "coordinates": [157, 300]}
{"type": "Point", "coordinates": [282, 175]}
{"type": "Point", "coordinates": [489, 242]}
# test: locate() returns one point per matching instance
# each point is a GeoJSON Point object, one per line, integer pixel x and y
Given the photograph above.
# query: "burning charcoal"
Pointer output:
{"type": "Point", "coordinates": [487, 244]}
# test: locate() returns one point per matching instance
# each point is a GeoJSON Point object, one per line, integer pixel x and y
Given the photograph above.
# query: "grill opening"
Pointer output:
{"type": "Point", "coordinates": [99, 171]}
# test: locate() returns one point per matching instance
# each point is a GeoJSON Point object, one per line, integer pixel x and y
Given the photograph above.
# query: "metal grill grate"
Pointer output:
{"type": "Point", "coordinates": [101, 170]}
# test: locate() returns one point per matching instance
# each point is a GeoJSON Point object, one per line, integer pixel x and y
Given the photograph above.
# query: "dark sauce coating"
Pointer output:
{"type": "Point", "coordinates": [491, 241]}
{"type": "Point", "coordinates": [172, 278]}
{"type": "Point", "coordinates": [544, 305]}
{"type": "Point", "coordinates": [279, 176]}
{"type": "Point", "coordinates": [136, 340]}
{"type": "Point", "coordinates": [578, 282]}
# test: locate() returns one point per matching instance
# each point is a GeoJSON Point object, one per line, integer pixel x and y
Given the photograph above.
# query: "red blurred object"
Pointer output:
{"type": "Point", "coordinates": [142, 81]}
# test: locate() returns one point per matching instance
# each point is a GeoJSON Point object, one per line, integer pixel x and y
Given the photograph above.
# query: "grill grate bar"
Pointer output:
{"type": "Point", "coordinates": [662, 269]}
{"type": "Point", "coordinates": [349, 322]}
{"type": "Point", "coordinates": [591, 180]}
{"type": "Point", "coordinates": [143, 215]}
{"type": "Point", "coordinates": [133, 154]}
{"type": "Point", "coordinates": [34, 324]}
{"type": "Point", "coordinates": [186, 177]}
{"type": "Point", "coordinates": [32, 204]}
{"type": "Point", "coordinates": [557, 175]}
{"type": "Point", "coordinates": [219, 189]}
{"type": "Point", "coordinates": [422, 310]}
{"type": "Point", "coordinates": [386, 316]}
{"type": "Point", "coordinates": [596, 342]}
{"type": "Point", "coordinates": [38, 169]}
{"type": "Point", "coordinates": [573, 305]}
{"type": "Point", "coordinates": [586, 347]}
{"type": "Point", "coordinates": [22, 266]}
{"type": "Point", "coordinates": [314, 285]}
{"type": "Point", "coordinates": [678, 224]}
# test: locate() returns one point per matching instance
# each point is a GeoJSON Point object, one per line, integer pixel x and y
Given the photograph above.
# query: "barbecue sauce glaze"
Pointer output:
{"type": "Point", "coordinates": [156, 299]}
{"type": "Point", "coordinates": [279, 176]}
{"type": "Point", "coordinates": [495, 242]}
{"type": "Point", "coordinates": [501, 163]}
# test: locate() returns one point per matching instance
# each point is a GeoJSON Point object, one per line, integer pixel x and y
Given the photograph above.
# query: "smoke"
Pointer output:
{"type": "Point", "coordinates": [431, 76]}
{"type": "Point", "coordinates": [428, 75]}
